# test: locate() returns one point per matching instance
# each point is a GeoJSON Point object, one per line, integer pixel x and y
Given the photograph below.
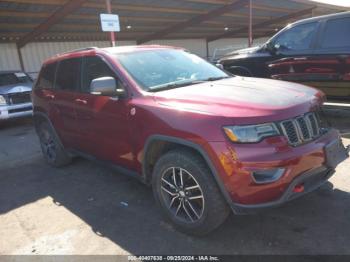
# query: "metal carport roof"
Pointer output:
{"type": "Point", "coordinates": [24, 21]}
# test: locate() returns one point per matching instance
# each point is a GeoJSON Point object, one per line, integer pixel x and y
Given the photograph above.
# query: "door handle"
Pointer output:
{"type": "Point", "coordinates": [81, 101]}
{"type": "Point", "coordinates": [49, 96]}
{"type": "Point", "coordinates": [300, 58]}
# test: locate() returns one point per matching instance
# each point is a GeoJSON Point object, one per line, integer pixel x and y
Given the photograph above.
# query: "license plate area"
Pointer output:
{"type": "Point", "coordinates": [335, 153]}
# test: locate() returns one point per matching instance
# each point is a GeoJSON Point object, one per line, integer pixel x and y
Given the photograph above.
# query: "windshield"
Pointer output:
{"type": "Point", "coordinates": [156, 70]}
{"type": "Point", "coordinates": [14, 78]}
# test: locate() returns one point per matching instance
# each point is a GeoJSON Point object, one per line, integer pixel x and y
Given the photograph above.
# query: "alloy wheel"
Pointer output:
{"type": "Point", "coordinates": [182, 194]}
{"type": "Point", "coordinates": [48, 145]}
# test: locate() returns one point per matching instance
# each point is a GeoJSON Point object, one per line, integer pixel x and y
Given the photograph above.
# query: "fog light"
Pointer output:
{"type": "Point", "coordinates": [267, 176]}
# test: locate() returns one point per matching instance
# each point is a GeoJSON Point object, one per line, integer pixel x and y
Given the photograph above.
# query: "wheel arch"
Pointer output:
{"type": "Point", "coordinates": [156, 145]}
{"type": "Point", "coordinates": [39, 117]}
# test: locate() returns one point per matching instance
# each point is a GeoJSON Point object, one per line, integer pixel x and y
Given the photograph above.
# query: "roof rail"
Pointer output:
{"type": "Point", "coordinates": [80, 49]}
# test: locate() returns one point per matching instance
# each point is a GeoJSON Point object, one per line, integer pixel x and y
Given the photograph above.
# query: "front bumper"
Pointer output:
{"type": "Point", "coordinates": [310, 180]}
{"type": "Point", "coordinates": [306, 165]}
{"type": "Point", "coordinates": [16, 111]}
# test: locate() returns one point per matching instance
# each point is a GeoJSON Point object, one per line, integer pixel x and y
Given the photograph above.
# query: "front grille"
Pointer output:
{"type": "Point", "coordinates": [19, 98]}
{"type": "Point", "coordinates": [301, 129]}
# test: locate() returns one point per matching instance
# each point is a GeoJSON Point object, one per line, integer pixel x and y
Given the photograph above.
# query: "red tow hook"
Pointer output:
{"type": "Point", "coordinates": [299, 188]}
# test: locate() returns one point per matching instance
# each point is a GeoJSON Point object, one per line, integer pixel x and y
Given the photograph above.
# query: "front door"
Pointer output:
{"type": "Point", "coordinates": [103, 120]}
{"type": "Point", "coordinates": [295, 51]}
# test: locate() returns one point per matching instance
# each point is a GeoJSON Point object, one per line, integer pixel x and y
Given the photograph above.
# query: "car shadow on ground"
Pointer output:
{"type": "Point", "coordinates": [123, 210]}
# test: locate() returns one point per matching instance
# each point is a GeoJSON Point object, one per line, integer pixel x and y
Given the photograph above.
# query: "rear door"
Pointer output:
{"type": "Point", "coordinates": [67, 88]}
{"type": "Point", "coordinates": [44, 95]}
{"type": "Point", "coordinates": [331, 67]}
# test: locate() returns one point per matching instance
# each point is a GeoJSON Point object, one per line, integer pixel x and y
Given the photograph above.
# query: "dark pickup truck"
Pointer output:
{"type": "Point", "coordinates": [314, 51]}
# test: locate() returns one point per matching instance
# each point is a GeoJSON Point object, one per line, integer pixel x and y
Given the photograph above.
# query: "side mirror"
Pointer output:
{"type": "Point", "coordinates": [220, 66]}
{"type": "Point", "coordinates": [103, 86]}
{"type": "Point", "coordinates": [271, 48]}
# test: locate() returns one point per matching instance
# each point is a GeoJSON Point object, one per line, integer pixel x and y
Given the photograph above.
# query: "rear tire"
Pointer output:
{"type": "Point", "coordinates": [52, 149]}
{"type": "Point", "coordinates": [191, 201]}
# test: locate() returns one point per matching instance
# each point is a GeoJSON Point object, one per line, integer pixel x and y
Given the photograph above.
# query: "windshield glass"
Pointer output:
{"type": "Point", "coordinates": [14, 78]}
{"type": "Point", "coordinates": [168, 68]}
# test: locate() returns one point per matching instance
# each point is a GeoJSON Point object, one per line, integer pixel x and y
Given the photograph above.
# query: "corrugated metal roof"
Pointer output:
{"type": "Point", "coordinates": [145, 16]}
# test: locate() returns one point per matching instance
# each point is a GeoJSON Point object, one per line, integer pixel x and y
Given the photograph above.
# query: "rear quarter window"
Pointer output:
{"type": "Point", "coordinates": [336, 33]}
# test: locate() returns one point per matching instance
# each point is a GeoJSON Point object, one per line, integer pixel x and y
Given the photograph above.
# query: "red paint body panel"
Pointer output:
{"type": "Point", "coordinates": [105, 128]}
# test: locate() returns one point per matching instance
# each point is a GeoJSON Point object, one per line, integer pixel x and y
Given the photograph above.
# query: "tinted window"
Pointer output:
{"type": "Point", "coordinates": [337, 33]}
{"type": "Point", "coordinates": [14, 78]}
{"type": "Point", "coordinates": [95, 67]}
{"type": "Point", "coordinates": [68, 74]}
{"type": "Point", "coordinates": [47, 76]}
{"type": "Point", "coordinates": [297, 38]}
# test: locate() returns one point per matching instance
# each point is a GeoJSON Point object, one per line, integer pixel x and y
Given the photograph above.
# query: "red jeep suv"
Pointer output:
{"type": "Point", "coordinates": [205, 140]}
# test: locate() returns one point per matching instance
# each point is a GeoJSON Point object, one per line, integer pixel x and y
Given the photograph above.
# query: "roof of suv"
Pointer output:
{"type": "Point", "coordinates": [110, 50]}
{"type": "Point", "coordinates": [323, 17]}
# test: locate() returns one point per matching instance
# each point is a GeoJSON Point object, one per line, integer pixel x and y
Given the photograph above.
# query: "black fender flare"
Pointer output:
{"type": "Point", "coordinates": [198, 148]}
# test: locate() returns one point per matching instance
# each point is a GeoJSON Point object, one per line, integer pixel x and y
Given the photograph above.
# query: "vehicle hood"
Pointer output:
{"type": "Point", "coordinates": [17, 88]}
{"type": "Point", "coordinates": [245, 53]}
{"type": "Point", "coordinates": [244, 98]}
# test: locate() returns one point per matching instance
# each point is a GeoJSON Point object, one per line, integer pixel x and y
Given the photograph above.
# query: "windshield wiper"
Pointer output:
{"type": "Point", "coordinates": [187, 83]}
{"type": "Point", "coordinates": [175, 85]}
{"type": "Point", "coordinates": [216, 78]}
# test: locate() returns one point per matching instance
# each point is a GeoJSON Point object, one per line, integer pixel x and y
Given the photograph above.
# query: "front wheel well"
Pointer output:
{"type": "Point", "coordinates": [155, 149]}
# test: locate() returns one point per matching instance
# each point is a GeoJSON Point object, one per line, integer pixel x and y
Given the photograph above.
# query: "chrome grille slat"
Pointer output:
{"type": "Point", "coordinates": [300, 129]}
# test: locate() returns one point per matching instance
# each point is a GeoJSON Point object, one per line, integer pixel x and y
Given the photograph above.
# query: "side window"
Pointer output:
{"type": "Point", "coordinates": [95, 67]}
{"type": "Point", "coordinates": [47, 77]}
{"type": "Point", "coordinates": [336, 33]}
{"type": "Point", "coordinates": [68, 74]}
{"type": "Point", "coordinates": [297, 38]}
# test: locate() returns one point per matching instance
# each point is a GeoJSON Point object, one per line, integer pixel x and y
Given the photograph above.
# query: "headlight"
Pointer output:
{"type": "Point", "coordinates": [250, 134]}
{"type": "Point", "coordinates": [2, 101]}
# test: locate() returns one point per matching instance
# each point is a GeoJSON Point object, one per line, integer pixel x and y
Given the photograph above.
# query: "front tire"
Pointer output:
{"type": "Point", "coordinates": [53, 151]}
{"type": "Point", "coordinates": [187, 193]}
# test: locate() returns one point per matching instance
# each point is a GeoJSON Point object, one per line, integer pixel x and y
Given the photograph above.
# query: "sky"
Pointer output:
{"type": "Point", "coordinates": [335, 2]}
